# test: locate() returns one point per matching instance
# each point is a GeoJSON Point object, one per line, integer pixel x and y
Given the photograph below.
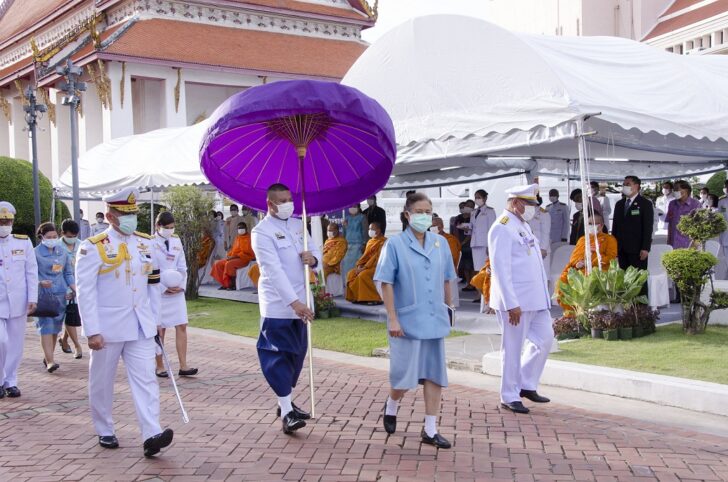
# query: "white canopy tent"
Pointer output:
{"type": "Point", "coordinates": [472, 101]}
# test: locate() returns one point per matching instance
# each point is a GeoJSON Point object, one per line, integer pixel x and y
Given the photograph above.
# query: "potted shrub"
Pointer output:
{"type": "Point", "coordinates": [611, 327]}
{"type": "Point", "coordinates": [646, 320]}
{"type": "Point", "coordinates": [567, 328]}
{"type": "Point", "coordinates": [322, 300]}
{"type": "Point", "coordinates": [597, 321]}
{"type": "Point", "coordinates": [580, 293]}
{"type": "Point", "coordinates": [625, 324]}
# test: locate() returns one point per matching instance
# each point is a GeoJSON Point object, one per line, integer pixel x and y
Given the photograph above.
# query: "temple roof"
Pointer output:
{"type": "Point", "coordinates": [23, 14]}
{"type": "Point", "coordinates": [683, 13]}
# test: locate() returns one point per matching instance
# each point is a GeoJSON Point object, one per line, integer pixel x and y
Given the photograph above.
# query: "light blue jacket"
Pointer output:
{"type": "Point", "coordinates": [59, 256]}
{"type": "Point", "coordinates": [418, 278]}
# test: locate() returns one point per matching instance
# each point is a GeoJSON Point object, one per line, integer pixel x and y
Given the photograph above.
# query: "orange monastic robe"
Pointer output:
{"type": "Point", "coordinates": [455, 248]}
{"type": "Point", "coordinates": [360, 286]}
{"type": "Point", "coordinates": [334, 251]}
{"type": "Point", "coordinates": [607, 249]}
{"type": "Point", "coordinates": [254, 274]}
{"type": "Point", "coordinates": [481, 281]}
{"type": "Point", "coordinates": [242, 251]}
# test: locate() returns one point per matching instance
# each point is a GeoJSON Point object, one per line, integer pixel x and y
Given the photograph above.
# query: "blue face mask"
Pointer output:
{"type": "Point", "coordinates": [420, 222]}
{"type": "Point", "coordinates": [50, 243]}
{"type": "Point", "coordinates": [128, 224]}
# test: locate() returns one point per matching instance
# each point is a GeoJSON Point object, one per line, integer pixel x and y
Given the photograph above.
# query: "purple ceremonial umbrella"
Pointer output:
{"type": "Point", "coordinates": [257, 137]}
{"type": "Point", "coordinates": [330, 144]}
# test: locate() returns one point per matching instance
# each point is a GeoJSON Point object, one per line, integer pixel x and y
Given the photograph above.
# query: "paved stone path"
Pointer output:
{"type": "Point", "coordinates": [234, 434]}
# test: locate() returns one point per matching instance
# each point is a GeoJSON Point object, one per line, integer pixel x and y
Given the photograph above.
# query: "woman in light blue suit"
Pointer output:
{"type": "Point", "coordinates": [414, 270]}
{"type": "Point", "coordinates": [355, 232]}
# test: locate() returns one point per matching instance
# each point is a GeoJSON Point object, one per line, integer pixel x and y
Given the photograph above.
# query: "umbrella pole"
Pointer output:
{"type": "Point", "coordinates": [307, 275]}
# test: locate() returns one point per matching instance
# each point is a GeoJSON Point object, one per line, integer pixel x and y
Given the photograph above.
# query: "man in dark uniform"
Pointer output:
{"type": "Point", "coordinates": [632, 225]}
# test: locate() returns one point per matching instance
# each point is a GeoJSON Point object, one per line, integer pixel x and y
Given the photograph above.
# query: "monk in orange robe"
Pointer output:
{"type": "Point", "coordinates": [360, 286]}
{"type": "Point", "coordinates": [438, 227]}
{"type": "Point", "coordinates": [239, 256]}
{"type": "Point", "coordinates": [334, 250]}
{"type": "Point", "coordinates": [481, 281]}
{"type": "Point", "coordinates": [607, 251]}
{"type": "Point", "coordinates": [254, 274]}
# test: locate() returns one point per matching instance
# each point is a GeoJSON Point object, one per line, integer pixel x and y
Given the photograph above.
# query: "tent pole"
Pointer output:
{"type": "Point", "coordinates": [586, 203]}
{"type": "Point", "coordinates": [151, 218]}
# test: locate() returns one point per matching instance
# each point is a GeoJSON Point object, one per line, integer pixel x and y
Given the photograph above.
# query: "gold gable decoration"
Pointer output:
{"type": "Point", "coordinates": [45, 97]}
{"type": "Point", "coordinates": [102, 82]}
{"type": "Point", "coordinates": [373, 12]}
{"type": "Point", "coordinates": [5, 107]}
{"type": "Point", "coordinates": [177, 89]}
{"type": "Point", "coordinates": [19, 86]}
{"type": "Point", "coordinates": [122, 84]}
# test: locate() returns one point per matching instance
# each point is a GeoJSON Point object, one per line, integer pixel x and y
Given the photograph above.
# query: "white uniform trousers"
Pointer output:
{"type": "Point", "coordinates": [721, 270]}
{"type": "Point", "coordinates": [522, 372]}
{"type": "Point", "coordinates": [139, 361]}
{"type": "Point", "coordinates": [12, 338]}
{"type": "Point", "coordinates": [480, 256]}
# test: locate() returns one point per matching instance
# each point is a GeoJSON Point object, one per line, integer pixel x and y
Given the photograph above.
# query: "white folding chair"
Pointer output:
{"type": "Point", "coordinates": [559, 258]}
{"type": "Point", "coordinates": [334, 285]}
{"type": "Point", "coordinates": [658, 283]}
{"type": "Point", "coordinates": [713, 247]}
{"type": "Point", "coordinates": [242, 280]}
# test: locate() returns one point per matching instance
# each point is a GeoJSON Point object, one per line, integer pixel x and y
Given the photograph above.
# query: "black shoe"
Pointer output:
{"type": "Point", "coordinates": [109, 441]}
{"type": "Point", "coordinates": [389, 421]}
{"type": "Point", "coordinates": [162, 374]}
{"type": "Point", "coordinates": [516, 407]}
{"type": "Point", "coordinates": [64, 349]}
{"type": "Point", "coordinates": [153, 445]}
{"type": "Point", "coordinates": [297, 412]}
{"type": "Point", "coordinates": [12, 392]}
{"type": "Point", "coordinates": [534, 396]}
{"type": "Point", "coordinates": [291, 423]}
{"type": "Point", "coordinates": [2, 392]}
{"type": "Point", "coordinates": [188, 373]}
{"type": "Point", "coordinates": [438, 440]}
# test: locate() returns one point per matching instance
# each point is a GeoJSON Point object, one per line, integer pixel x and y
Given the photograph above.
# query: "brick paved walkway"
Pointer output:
{"type": "Point", "coordinates": [234, 435]}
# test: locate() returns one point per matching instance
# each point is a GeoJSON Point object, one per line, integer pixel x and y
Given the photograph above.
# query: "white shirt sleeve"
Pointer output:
{"type": "Point", "coordinates": [266, 255]}
{"type": "Point", "coordinates": [88, 263]}
{"type": "Point", "coordinates": [501, 247]}
{"type": "Point", "coordinates": [566, 223]}
{"type": "Point", "coordinates": [31, 272]}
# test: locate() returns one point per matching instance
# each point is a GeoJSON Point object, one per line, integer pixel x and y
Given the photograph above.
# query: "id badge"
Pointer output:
{"type": "Point", "coordinates": [635, 212]}
{"type": "Point", "coordinates": [56, 268]}
{"type": "Point", "coordinates": [147, 268]}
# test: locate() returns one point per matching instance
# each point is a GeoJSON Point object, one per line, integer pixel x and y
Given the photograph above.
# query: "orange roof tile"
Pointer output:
{"type": "Point", "coordinates": [303, 7]}
{"type": "Point", "coordinates": [23, 14]}
{"type": "Point", "coordinates": [678, 5]}
{"type": "Point", "coordinates": [178, 41]}
{"type": "Point", "coordinates": [17, 66]}
{"type": "Point", "coordinates": [688, 18]}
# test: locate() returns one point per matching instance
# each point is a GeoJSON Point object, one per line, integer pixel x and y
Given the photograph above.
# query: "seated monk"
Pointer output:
{"type": "Point", "coordinates": [607, 250]}
{"type": "Point", "coordinates": [452, 241]}
{"type": "Point", "coordinates": [360, 286]}
{"type": "Point", "coordinates": [334, 250]}
{"type": "Point", "coordinates": [239, 256]}
{"type": "Point", "coordinates": [254, 274]}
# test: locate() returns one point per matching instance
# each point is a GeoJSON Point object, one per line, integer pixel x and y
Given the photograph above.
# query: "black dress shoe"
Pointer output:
{"type": "Point", "coordinates": [153, 445]}
{"type": "Point", "coordinates": [297, 413]}
{"type": "Point", "coordinates": [291, 423]}
{"type": "Point", "coordinates": [516, 407]}
{"type": "Point", "coordinates": [438, 440]}
{"type": "Point", "coordinates": [64, 349]}
{"type": "Point", "coordinates": [534, 396]}
{"type": "Point", "coordinates": [12, 392]}
{"type": "Point", "coordinates": [188, 373]}
{"type": "Point", "coordinates": [389, 421]}
{"type": "Point", "coordinates": [109, 441]}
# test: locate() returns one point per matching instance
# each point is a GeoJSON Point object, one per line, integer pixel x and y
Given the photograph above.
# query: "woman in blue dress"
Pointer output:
{"type": "Point", "coordinates": [70, 242]}
{"type": "Point", "coordinates": [355, 232]}
{"type": "Point", "coordinates": [55, 274]}
{"type": "Point", "coordinates": [414, 270]}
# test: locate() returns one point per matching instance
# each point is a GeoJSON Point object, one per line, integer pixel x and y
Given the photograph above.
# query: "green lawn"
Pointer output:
{"type": "Point", "coordinates": [667, 352]}
{"type": "Point", "coordinates": [348, 335]}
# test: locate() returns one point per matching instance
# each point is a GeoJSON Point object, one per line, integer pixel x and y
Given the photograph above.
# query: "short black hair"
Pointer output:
{"type": "Point", "coordinates": [242, 225]}
{"type": "Point", "coordinates": [70, 226]}
{"type": "Point", "coordinates": [554, 192]}
{"type": "Point", "coordinates": [481, 193]}
{"type": "Point", "coordinates": [594, 184]}
{"type": "Point", "coordinates": [574, 193]}
{"type": "Point", "coordinates": [233, 207]}
{"type": "Point", "coordinates": [409, 193]}
{"type": "Point", "coordinates": [277, 187]}
{"type": "Point", "coordinates": [634, 179]}
{"type": "Point", "coordinates": [379, 226]}
{"type": "Point", "coordinates": [415, 198]}
{"type": "Point", "coordinates": [97, 215]}
{"type": "Point", "coordinates": [470, 203]}
{"type": "Point", "coordinates": [669, 183]}
{"type": "Point", "coordinates": [681, 184]}
{"type": "Point", "coordinates": [462, 204]}
{"type": "Point", "coordinates": [46, 228]}
{"type": "Point", "coordinates": [165, 218]}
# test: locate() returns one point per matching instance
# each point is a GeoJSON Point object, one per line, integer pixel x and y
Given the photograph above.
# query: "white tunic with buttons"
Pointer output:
{"type": "Point", "coordinates": [18, 276]}
{"type": "Point", "coordinates": [173, 306]}
{"type": "Point", "coordinates": [560, 221]}
{"type": "Point", "coordinates": [118, 303]}
{"type": "Point", "coordinates": [517, 270]}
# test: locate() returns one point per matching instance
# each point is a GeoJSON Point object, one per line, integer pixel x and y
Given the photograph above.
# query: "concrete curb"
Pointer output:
{"type": "Point", "coordinates": [664, 390]}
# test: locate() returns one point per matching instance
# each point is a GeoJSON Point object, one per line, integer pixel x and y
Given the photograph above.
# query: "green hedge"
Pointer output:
{"type": "Point", "coordinates": [16, 179]}
{"type": "Point", "coordinates": [715, 183]}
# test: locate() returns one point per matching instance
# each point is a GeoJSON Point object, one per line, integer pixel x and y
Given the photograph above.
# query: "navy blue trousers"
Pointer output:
{"type": "Point", "coordinates": [282, 348]}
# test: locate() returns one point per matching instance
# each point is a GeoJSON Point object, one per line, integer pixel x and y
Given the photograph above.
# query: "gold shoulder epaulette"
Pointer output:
{"type": "Point", "coordinates": [20, 236]}
{"type": "Point", "coordinates": [143, 235]}
{"type": "Point", "coordinates": [505, 219]}
{"type": "Point", "coordinates": [723, 196]}
{"type": "Point", "coordinates": [98, 238]}
{"type": "Point", "coordinates": [543, 210]}
{"type": "Point", "coordinates": [175, 236]}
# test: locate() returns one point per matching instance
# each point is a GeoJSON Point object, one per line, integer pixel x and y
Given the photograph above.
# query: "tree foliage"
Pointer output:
{"type": "Point", "coordinates": [715, 183]}
{"type": "Point", "coordinates": [16, 179]}
{"type": "Point", "coordinates": [190, 207]}
{"type": "Point", "coordinates": [702, 225]}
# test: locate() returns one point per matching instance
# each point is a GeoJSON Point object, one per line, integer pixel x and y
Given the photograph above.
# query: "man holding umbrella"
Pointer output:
{"type": "Point", "coordinates": [278, 246]}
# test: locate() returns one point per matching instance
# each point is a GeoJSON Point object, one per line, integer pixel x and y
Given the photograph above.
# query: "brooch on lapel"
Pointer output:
{"type": "Point", "coordinates": [280, 236]}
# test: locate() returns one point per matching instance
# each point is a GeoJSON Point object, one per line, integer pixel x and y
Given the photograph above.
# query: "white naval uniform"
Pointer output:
{"type": "Point", "coordinates": [482, 219]}
{"type": "Point", "coordinates": [519, 280]}
{"type": "Point", "coordinates": [661, 205]}
{"type": "Point", "coordinates": [722, 269]}
{"type": "Point", "coordinates": [18, 287]}
{"type": "Point", "coordinates": [606, 210]}
{"type": "Point", "coordinates": [121, 305]}
{"type": "Point", "coordinates": [560, 221]}
{"type": "Point", "coordinates": [541, 227]}
{"type": "Point", "coordinates": [278, 246]}
{"type": "Point", "coordinates": [99, 228]}
{"type": "Point", "coordinates": [173, 306]}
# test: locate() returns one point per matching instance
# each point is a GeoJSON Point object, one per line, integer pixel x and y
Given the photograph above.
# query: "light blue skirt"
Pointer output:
{"type": "Point", "coordinates": [52, 326]}
{"type": "Point", "coordinates": [412, 361]}
{"type": "Point", "coordinates": [353, 253]}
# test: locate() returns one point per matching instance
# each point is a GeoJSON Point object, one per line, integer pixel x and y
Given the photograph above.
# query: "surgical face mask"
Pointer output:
{"type": "Point", "coordinates": [467, 210]}
{"type": "Point", "coordinates": [627, 190]}
{"type": "Point", "coordinates": [5, 231]}
{"type": "Point", "coordinates": [479, 202]}
{"type": "Point", "coordinates": [370, 202]}
{"type": "Point", "coordinates": [353, 211]}
{"type": "Point", "coordinates": [285, 210]}
{"type": "Point", "coordinates": [99, 220]}
{"type": "Point", "coordinates": [330, 234]}
{"type": "Point", "coordinates": [372, 233]}
{"type": "Point", "coordinates": [666, 191]}
{"type": "Point", "coordinates": [462, 210]}
{"type": "Point", "coordinates": [166, 233]}
{"type": "Point", "coordinates": [50, 243]}
{"type": "Point", "coordinates": [69, 241]}
{"type": "Point", "coordinates": [529, 212]}
{"type": "Point", "coordinates": [594, 229]}
{"type": "Point", "coordinates": [578, 206]}
{"type": "Point", "coordinates": [128, 224]}
{"type": "Point", "coordinates": [420, 222]}
{"type": "Point", "coordinates": [242, 231]}
{"type": "Point", "coordinates": [233, 213]}
{"type": "Point", "coordinates": [725, 191]}
{"type": "Point", "coordinates": [553, 199]}
{"type": "Point", "coordinates": [703, 196]}
{"type": "Point", "coordinates": [434, 229]}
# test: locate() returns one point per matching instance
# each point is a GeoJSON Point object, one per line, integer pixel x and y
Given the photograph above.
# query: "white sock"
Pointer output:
{"type": "Point", "coordinates": [285, 404]}
{"type": "Point", "coordinates": [430, 428]}
{"type": "Point", "coordinates": [392, 406]}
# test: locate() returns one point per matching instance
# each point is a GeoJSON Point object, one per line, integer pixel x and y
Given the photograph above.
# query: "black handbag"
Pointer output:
{"type": "Point", "coordinates": [73, 317]}
{"type": "Point", "coordinates": [48, 305]}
